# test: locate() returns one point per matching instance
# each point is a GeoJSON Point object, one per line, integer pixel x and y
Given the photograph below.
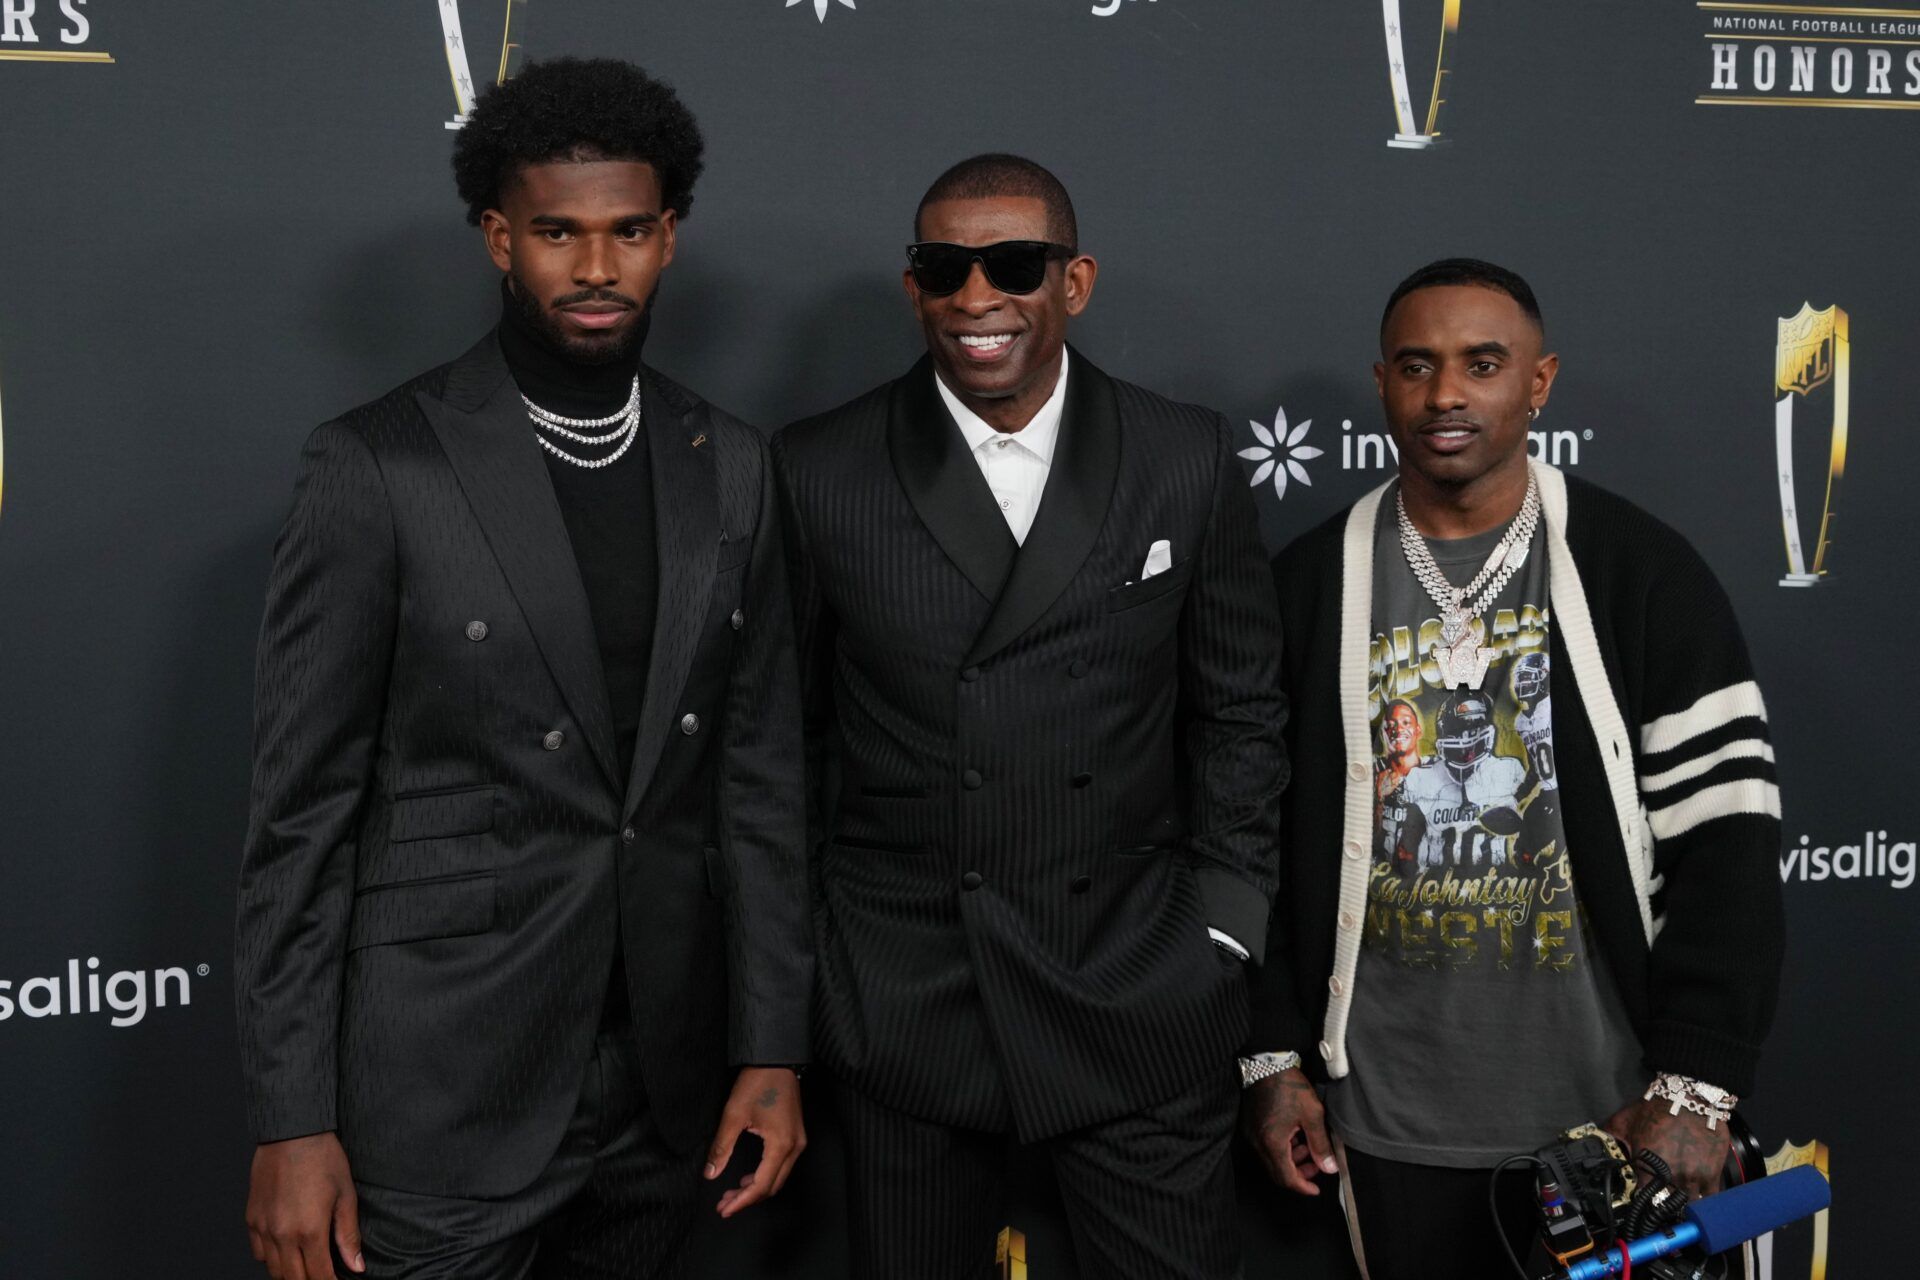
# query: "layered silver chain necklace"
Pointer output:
{"type": "Point", "coordinates": [1462, 659]}
{"type": "Point", "coordinates": [625, 424]}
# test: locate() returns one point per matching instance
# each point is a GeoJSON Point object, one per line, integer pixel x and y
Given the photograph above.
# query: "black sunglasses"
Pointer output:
{"type": "Point", "coordinates": [1012, 266]}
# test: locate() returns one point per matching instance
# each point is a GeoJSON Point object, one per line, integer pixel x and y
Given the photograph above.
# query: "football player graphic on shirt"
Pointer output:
{"type": "Point", "coordinates": [1534, 723]}
{"type": "Point", "coordinates": [1399, 757]}
{"type": "Point", "coordinates": [1468, 798]}
{"type": "Point", "coordinates": [1399, 747]}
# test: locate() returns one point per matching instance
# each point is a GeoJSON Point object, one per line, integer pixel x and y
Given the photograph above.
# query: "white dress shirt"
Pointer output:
{"type": "Point", "coordinates": [1015, 464]}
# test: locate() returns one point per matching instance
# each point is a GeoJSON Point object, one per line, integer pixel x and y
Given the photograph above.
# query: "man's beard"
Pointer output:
{"type": "Point", "coordinates": [620, 349]}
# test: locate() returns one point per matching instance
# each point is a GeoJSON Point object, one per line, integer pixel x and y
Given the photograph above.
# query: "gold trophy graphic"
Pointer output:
{"type": "Point", "coordinates": [1811, 352]}
{"type": "Point", "coordinates": [1010, 1252]}
{"type": "Point", "coordinates": [1428, 134]}
{"type": "Point", "coordinates": [1772, 1267]}
{"type": "Point", "coordinates": [513, 34]}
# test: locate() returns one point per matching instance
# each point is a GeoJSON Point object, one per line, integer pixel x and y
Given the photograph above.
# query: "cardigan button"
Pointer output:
{"type": "Point", "coordinates": [1353, 849]}
{"type": "Point", "coordinates": [1358, 772]}
{"type": "Point", "coordinates": [1336, 986]}
{"type": "Point", "coordinates": [1326, 1051]}
{"type": "Point", "coordinates": [1348, 920]}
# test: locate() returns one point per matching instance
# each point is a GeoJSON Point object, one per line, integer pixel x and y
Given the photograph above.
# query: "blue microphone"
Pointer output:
{"type": "Point", "coordinates": [1718, 1223]}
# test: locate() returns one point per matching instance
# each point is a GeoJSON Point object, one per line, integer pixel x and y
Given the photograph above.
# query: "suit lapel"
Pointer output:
{"type": "Point", "coordinates": [945, 485]}
{"type": "Point", "coordinates": [483, 428]}
{"type": "Point", "coordinates": [686, 506]}
{"type": "Point", "coordinates": [1073, 507]}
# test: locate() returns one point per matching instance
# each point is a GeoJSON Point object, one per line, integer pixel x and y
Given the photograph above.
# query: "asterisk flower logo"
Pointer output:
{"type": "Point", "coordinates": [819, 6]}
{"type": "Point", "coordinates": [1277, 447]}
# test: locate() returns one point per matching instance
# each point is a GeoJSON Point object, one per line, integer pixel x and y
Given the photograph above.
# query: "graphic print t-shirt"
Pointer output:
{"type": "Point", "coordinates": [1484, 1020]}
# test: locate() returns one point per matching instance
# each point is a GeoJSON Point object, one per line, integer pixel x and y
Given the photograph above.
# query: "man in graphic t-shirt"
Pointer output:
{"type": "Point", "coordinates": [1481, 941]}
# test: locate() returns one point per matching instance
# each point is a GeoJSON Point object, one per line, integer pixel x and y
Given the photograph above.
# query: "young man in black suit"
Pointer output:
{"type": "Point", "coordinates": [1040, 658]}
{"type": "Point", "coordinates": [522, 944]}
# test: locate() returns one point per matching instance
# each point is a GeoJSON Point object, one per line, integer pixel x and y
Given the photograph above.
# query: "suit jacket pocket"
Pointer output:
{"type": "Point", "coordinates": [1133, 594]}
{"type": "Point", "coordinates": [734, 553]}
{"type": "Point", "coordinates": [415, 910]}
{"type": "Point", "coordinates": [437, 815]}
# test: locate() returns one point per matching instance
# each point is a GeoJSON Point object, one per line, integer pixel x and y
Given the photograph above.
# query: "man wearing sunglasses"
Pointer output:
{"type": "Point", "coordinates": [1040, 669]}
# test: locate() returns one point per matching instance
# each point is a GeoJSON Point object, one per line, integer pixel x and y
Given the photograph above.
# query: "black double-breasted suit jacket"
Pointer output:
{"type": "Point", "coordinates": [1038, 775]}
{"type": "Point", "coordinates": [441, 845]}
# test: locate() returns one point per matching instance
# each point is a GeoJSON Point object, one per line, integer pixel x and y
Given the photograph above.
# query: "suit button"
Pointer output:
{"type": "Point", "coordinates": [553, 740]}
{"type": "Point", "coordinates": [1082, 780]}
{"type": "Point", "coordinates": [1081, 884]}
{"type": "Point", "coordinates": [739, 619]}
{"type": "Point", "coordinates": [689, 724]}
{"type": "Point", "coordinates": [1078, 669]}
{"type": "Point", "coordinates": [971, 779]}
{"type": "Point", "coordinates": [628, 835]}
{"type": "Point", "coordinates": [476, 630]}
{"type": "Point", "coordinates": [970, 674]}
{"type": "Point", "coordinates": [972, 880]}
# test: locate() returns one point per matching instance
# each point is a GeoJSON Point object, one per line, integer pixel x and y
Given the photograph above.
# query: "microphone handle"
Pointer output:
{"type": "Point", "coordinates": [1642, 1250]}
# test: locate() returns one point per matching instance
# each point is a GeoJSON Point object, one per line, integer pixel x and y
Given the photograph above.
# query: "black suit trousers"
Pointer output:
{"type": "Point", "coordinates": [616, 1201]}
{"type": "Point", "coordinates": [1149, 1195]}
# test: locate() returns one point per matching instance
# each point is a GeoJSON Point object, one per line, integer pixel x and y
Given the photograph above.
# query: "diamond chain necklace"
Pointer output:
{"type": "Point", "coordinates": [1460, 656]}
{"type": "Point", "coordinates": [627, 420]}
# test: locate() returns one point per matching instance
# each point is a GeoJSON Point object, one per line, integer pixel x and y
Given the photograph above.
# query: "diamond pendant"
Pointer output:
{"type": "Point", "coordinates": [1463, 661]}
{"type": "Point", "coordinates": [1453, 625]}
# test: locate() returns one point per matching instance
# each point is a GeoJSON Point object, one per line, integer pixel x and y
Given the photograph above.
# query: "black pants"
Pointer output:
{"type": "Point", "coordinates": [1423, 1222]}
{"type": "Point", "coordinates": [1149, 1196]}
{"type": "Point", "coordinates": [614, 1202]}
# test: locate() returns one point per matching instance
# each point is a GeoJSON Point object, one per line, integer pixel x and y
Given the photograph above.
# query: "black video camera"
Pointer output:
{"type": "Point", "coordinates": [1590, 1194]}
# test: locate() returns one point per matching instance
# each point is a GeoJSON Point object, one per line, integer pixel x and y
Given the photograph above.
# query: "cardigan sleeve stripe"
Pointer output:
{"type": "Point", "coordinates": [1738, 749]}
{"type": "Point", "coordinates": [1734, 702]}
{"type": "Point", "coordinates": [1743, 795]}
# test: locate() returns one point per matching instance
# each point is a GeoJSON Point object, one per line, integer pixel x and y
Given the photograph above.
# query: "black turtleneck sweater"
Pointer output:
{"type": "Point", "coordinates": [609, 516]}
{"type": "Point", "coordinates": [608, 513]}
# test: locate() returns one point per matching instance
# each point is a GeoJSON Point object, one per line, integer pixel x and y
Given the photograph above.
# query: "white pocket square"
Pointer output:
{"type": "Point", "coordinates": [1159, 559]}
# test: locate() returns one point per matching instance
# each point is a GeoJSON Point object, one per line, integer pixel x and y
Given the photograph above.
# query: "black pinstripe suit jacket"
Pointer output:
{"type": "Point", "coordinates": [1038, 776]}
{"type": "Point", "coordinates": [435, 862]}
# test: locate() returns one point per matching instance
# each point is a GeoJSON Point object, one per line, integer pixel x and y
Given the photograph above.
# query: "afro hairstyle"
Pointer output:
{"type": "Point", "coordinates": [577, 109]}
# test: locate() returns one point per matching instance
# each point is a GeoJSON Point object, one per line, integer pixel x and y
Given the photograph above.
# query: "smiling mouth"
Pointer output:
{"type": "Point", "coordinates": [984, 347]}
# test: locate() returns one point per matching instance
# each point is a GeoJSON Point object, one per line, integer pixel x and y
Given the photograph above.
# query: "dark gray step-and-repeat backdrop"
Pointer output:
{"type": "Point", "coordinates": [222, 222]}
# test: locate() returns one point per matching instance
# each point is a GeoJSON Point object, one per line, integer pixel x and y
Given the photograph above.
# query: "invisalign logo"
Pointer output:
{"type": "Point", "coordinates": [124, 995]}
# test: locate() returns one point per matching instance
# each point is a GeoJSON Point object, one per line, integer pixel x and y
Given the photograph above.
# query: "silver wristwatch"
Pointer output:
{"type": "Point", "coordinates": [1261, 1065]}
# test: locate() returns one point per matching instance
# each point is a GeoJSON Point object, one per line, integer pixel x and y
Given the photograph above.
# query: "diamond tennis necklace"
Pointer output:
{"type": "Point", "coordinates": [625, 423]}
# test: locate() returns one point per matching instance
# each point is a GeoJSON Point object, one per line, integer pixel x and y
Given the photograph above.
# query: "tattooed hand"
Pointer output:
{"type": "Point", "coordinates": [766, 1103]}
{"type": "Point", "coordinates": [1696, 1153]}
{"type": "Point", "coordinates": [1283, 1120]}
